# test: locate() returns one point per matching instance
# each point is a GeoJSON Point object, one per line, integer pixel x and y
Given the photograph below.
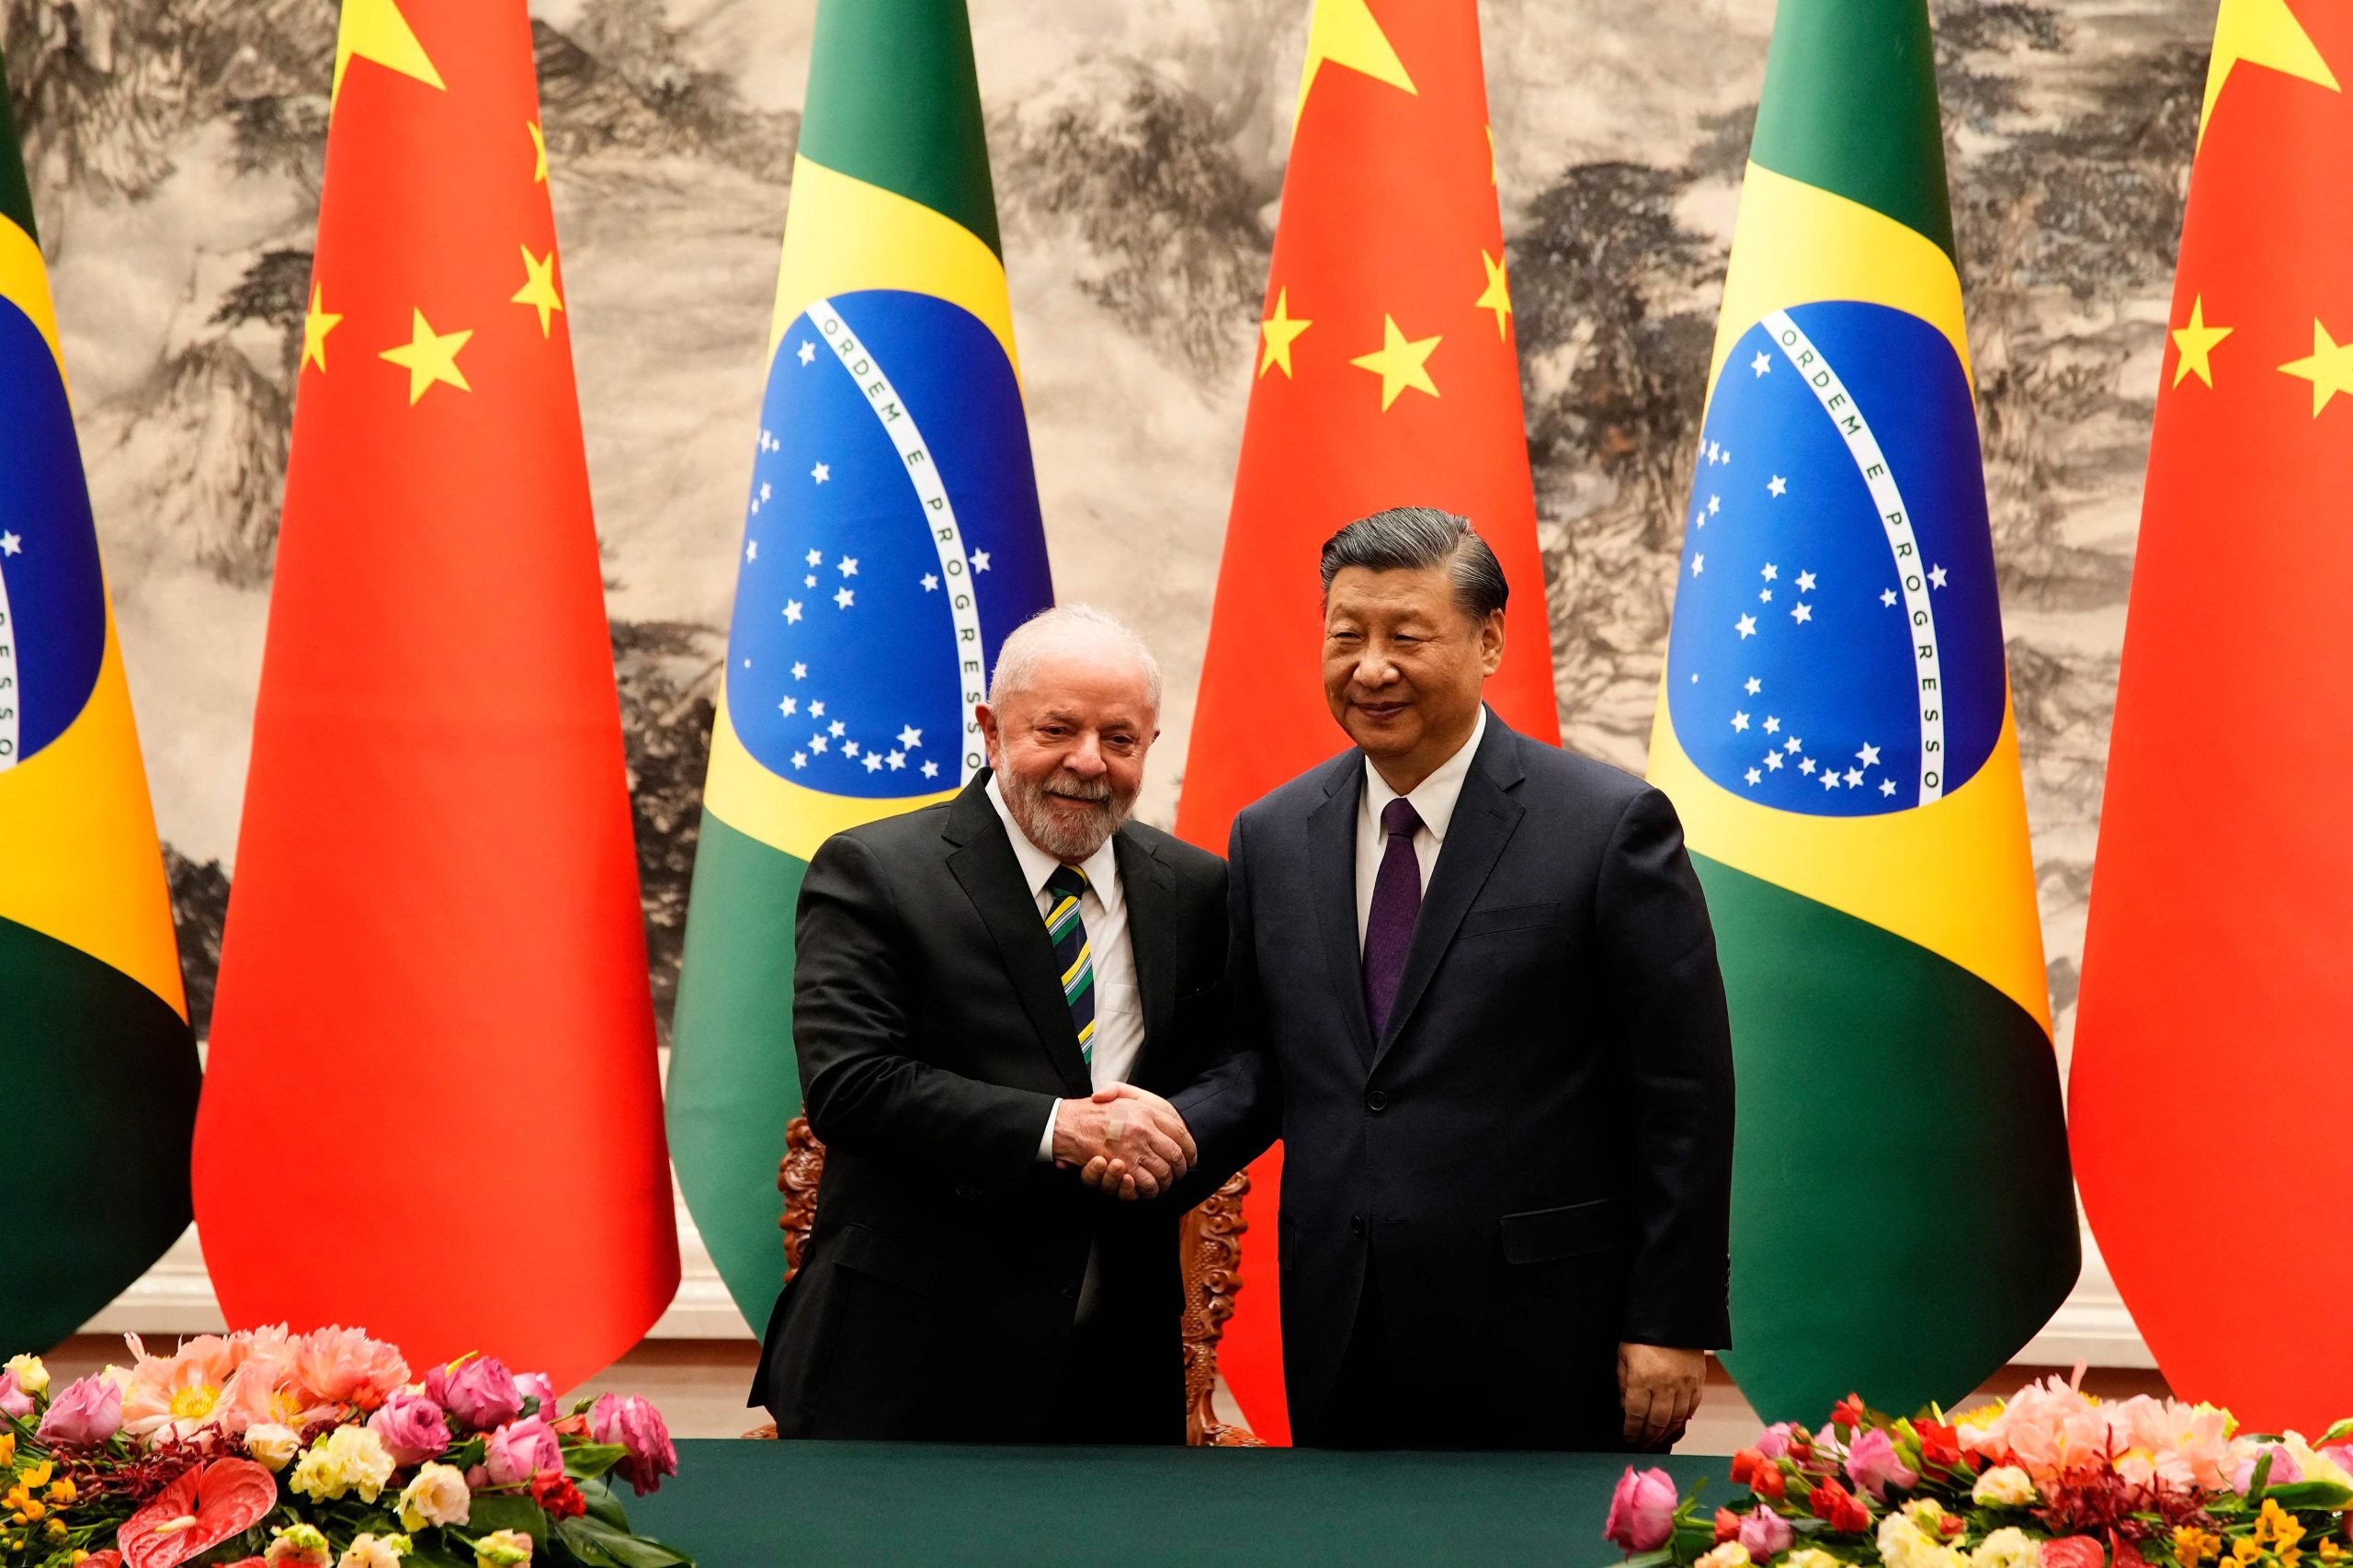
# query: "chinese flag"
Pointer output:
{"type": "Point", "coordinates": [2216, 992]}
{"type": "Point", "coordinates": [432, 1109]}
{"type": "Point", "coordinates": [1387, 374]}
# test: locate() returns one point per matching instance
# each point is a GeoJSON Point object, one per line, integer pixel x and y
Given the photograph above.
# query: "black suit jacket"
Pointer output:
{"type": "Point", "coordinates": [1537, 1155]}
{"type": "Point", "coordinates": [944, 1268]}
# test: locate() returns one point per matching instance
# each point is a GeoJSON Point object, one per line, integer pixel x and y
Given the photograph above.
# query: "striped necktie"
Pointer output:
{"type": "Point", "coordinates": [1072, 956]}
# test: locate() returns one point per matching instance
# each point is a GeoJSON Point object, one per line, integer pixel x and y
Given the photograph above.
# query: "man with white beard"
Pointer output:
{"type": "Point", "coordinates": [986, 995]}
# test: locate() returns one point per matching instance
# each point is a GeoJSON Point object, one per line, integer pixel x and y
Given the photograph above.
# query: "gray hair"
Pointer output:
{"type": "Point", "coordinates": [1066, 628]}
{"type": "Point", "coordinates": [1414, 539]}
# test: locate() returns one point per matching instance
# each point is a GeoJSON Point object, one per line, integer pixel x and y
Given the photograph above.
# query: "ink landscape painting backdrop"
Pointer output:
{"type": "Point", "coordinates": [176, 145]}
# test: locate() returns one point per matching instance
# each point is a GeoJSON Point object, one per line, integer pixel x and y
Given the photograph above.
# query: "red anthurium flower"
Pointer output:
{"type": "Point", "coordinates": [197, 1512]}
{"type": "Point", "coordinates": [2074, 1551]}
{"type": "Point", "coordinates": [2127, 1554]}
{"type": "Point", "coordinates": [110, 1558]}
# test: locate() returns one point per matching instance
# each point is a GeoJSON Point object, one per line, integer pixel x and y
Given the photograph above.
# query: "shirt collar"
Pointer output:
{"type": "Point", "coordinates": [1100, 867]}
{"type": "Point", "coordinates": [1434, 798]}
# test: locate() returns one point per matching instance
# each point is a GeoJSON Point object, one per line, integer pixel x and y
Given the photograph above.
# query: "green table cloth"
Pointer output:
{"type": "Point", "coordinates": [761, 1504]}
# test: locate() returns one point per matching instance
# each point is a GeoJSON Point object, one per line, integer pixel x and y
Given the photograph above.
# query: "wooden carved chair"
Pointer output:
{"type": "Point", "coordinates": [1211, 1243]}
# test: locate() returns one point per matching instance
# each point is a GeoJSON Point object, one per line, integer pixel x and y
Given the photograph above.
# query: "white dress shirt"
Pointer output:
{"type": "Point", "coordinates": [1434, 798]}
{"type": "Point", "coordinates": [1103, 910]}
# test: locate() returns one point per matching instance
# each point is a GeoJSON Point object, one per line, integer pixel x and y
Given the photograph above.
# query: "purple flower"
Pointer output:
{"type": "Point", "coordinates": [412, 1427]}
{"type": "Point", "coordinates": [520, 1450]}
{"type": "Point", "coordinates": [85, 1415]}
{"type": "Point", "coordinates": [481, 1392]}
{"type": "Point", "coordinates": [14, 1400]}
{"type": "Point", "coordinates": [539, 1386]}
{"type": "Point", "coordinates": [1766, 1534]}
{"type": "Point", "coordinates": [636, 1425]}
{"type": "Point", "coordinates": [1872, 1464]}
{"type": "Point", "coordinates": [1641, 1511]}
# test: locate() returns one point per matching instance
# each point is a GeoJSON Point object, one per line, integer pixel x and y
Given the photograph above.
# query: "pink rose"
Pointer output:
{"type": "Point", "coordinates": [539, 1386]}
{"type": "Point", "coordinates": [636, 1425]}
{"type": "Point", "coordinates": [520, 1450]}
{"type": "Point", "coordinates": [1766, 1534]}
{"type": "Point", "coordinates": [85, 1415]}
{"type": "Point", "coordinates": [1872, 1464]}
{"type": "Point", "coordinates": [481, 1392]}
{"type": "Point", "coordinates": [1775, 1443]}
{"type": "Point", "coordinates": [14, 1400]}
{"type": "Point", "coordinates": [412, 1427]}
{"type": "Point", "coordinates": [1641, 1511]}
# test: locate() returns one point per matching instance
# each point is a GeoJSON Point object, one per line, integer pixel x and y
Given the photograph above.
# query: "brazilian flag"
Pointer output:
{"type": "Point", "coordinates": [95, 1053]}
{"type": "Point", "coordinates": [1835, 731]}
{"type": "Point", "coordinates": [891, 542]}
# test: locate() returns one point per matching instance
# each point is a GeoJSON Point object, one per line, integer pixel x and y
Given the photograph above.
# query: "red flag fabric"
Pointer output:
{"type": "Point", "coordinates": [1387, 374]}
{"type": "Point", "coordinates": [431, 1107]}
{"type": "Point", "coordinates": [2209, 1054]}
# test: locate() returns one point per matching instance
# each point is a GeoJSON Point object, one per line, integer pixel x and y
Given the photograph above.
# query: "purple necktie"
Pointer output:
{"type": "Point", "coordinates": [1396, 899]}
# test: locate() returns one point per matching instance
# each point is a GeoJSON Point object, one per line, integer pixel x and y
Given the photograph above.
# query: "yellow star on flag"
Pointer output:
{"type": "Point", "coordinates": [2196, 341]}
{"type": "Point", "coordinates": [1399, 362]}
{"type": "Point", "coordinates": [1279, 332]}
{"type": "Point", "coordinates": [538, 287]}
{"type": "Point", "coordinates": [1493, 177]}
{"type": "Point", "coordinates": [2329, 368]}
{"type": "Point", "coordinates": [375, 30]}
{"type": "Point", "coordinates": [1497, 297]}
{"type": "Point", "coordinates": [1344, 32]}
{"type": "Point", "coordinates": [538, 152]}
{"type": "Point", "coordinates": [316, 325]}
{"type": "Point", "coordinates": [2260, 32]}
{"type": "Point", "coordinates": [429, 357]}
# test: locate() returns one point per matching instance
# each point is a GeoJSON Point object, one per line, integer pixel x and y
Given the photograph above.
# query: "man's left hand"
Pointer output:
{"type": "Point", "coordinates": [1658, 1386]}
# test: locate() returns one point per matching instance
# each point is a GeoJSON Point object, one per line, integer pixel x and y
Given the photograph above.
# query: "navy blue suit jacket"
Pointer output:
{"type": "Point", "coordinates": [1537, 1154]}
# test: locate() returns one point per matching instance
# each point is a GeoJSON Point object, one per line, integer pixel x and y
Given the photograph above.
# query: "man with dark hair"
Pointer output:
{"type": "Point", "coordinates": [1475, 992]}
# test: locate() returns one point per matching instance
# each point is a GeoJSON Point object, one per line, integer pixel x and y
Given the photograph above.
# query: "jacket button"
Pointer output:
{"type": "Point", "coordinates": [1376, 1101]}
{"type": "Point", "coordinates": [1356, 1224]}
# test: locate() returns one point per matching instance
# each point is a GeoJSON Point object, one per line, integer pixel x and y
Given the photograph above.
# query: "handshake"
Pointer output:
{"type": "Point", "coordinates": [1124, 1141]}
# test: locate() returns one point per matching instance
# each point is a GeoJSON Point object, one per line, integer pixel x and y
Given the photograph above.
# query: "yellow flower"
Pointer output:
{"type": "Point", "coordinates": [437, 1496]}
{"type": "Point", "coordinates": [7, 1448]}
{"type": "Point", "coordinates": [31, 1376]}
{"type": "Point", "coordinates": [502, 1548]}
{"type": "Point", "coordinates": [2192, 1546]}
{"type": "Point", "coordinates": [38, 1476]}
{"type": "Point", "coordinates": [2246, 1551]}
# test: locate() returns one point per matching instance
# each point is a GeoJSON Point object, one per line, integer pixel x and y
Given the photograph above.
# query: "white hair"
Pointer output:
{"type": "Point", "coordinates": [1068, 628]}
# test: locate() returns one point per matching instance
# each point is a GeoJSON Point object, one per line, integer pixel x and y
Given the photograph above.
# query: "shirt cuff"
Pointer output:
{"type": "Point", "coordinates": [1046, 1143]}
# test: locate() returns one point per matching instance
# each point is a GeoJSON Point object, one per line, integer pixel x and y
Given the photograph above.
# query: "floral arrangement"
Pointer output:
{"type": "Point", "coordinates": [2050, 1478]}
{"type": "Point", "coordinates": [317, 1451]}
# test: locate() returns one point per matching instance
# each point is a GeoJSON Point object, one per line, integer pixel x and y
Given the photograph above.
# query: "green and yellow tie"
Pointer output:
{"type": "Point", "coordinates": [1072, 956]}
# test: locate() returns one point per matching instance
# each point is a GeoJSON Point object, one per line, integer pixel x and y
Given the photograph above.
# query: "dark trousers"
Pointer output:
{"type": "Point", "coordinates": [1366, 1408]}
{"type": "Point", "coordinates": [1104, 1392]}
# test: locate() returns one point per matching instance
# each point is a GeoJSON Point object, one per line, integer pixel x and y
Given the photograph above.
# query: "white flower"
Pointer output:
{"type": "Point", "coordinates": [1810, 1557]}
{"type": "Point", "coordinates": [437, 1496]}
{"type": "Point", "coordinates": [1911, 1540]}
{"type": "Point", "coordinates": [374, 1551]}
{"type": "Point", "coordinates": [273, 1445]}
{"type": "Point", "coordinates": [2008, 1547]}
{"type": "Point", "coordinates": [31, 1376]}
{"type": "Point", "coordinates": [2004, 1486]}
{"type": "Point", "coordinates": [349, 1459]}
{"type": "Point", "coordinates": [1731, 1555]}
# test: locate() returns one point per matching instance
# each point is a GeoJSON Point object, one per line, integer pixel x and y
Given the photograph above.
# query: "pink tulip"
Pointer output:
{"type": "Point", "coordinates": [85, 1415]}
{"type": "Point", "coordinates": [1872, 1464]}
{"type": "Point", "coordinates": [412, 1427]}
{"type": "Point", "coordinates": [1766, 1534]}
{"type": "Point", "coordinates": [634, 1424]}
{"type": "Point", "coordinates": [14, 1400]}
{"type": "Point", "coordinates": [1641, 1511]}
{"type": "Point", "coordinates": [520, 1450]}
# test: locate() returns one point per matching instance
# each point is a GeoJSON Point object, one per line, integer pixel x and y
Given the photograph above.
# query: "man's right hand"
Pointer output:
{"type": "Point", "coordinates": [1125, 1140]}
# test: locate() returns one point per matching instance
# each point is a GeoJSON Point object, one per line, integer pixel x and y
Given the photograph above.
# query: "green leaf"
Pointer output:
{"type": "Point", "coordinates": [585, 1461]}
{"type": "Point", "coordinates": [423, 1556]}
{"type": "Point", "coordinates": [2298, 1494]}
{"type": "Point", "coordinates": [507, 1511]}
{"type": "Point", "coordinates": [603, 1507]}
{"type": "Point", "coordinates": [601, 1546]}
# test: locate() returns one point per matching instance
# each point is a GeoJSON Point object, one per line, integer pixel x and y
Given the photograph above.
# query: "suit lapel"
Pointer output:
{"type": "Point", "coordinates": [1332, 873]}
{"type": "Point", "coordinates": [1484, 817]}
{"type": "Point", "coordinates": [1149, 888]}
{"type": "Point", "coordinates": [983, 864]}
